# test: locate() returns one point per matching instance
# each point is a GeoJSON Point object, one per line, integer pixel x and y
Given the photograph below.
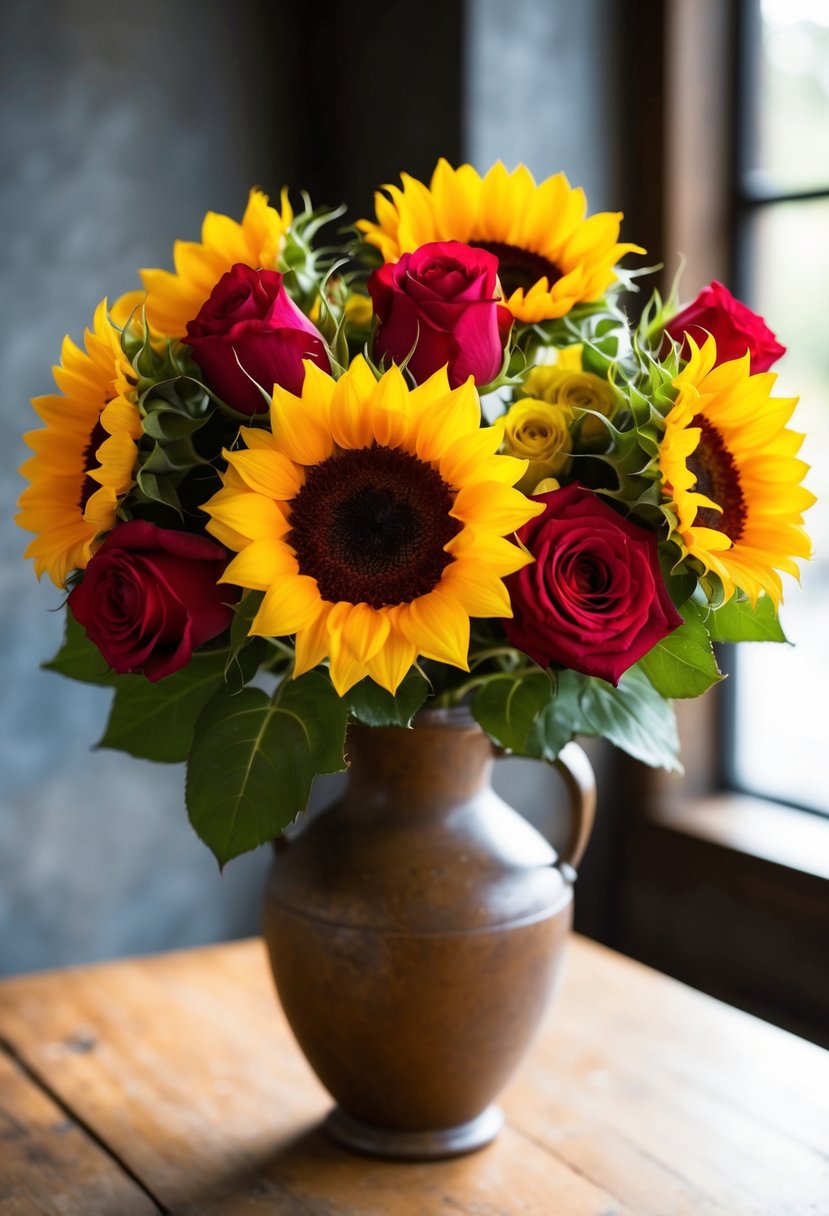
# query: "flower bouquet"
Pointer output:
{"type": "Point", "coordinates": [305, 481]}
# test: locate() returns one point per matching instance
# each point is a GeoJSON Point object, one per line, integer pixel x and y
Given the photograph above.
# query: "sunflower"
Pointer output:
{"type": "Point", "coordinates": [174, 298]}
{"type": "Point", "coordinates": [84, 455]}
{"type": "Point", "coordinates": [374, 518]}
{"type": "Point", "coordinates": [730, 465]}
{"type": "Point", "coordinates": [550, 257]}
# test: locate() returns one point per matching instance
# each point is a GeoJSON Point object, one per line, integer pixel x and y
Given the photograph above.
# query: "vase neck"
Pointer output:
{"type": "Point", "coordinates": [429, 769]}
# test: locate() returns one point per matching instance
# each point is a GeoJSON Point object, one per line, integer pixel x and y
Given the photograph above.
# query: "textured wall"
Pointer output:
{"type": "Point", "coordinates": [121, 125]}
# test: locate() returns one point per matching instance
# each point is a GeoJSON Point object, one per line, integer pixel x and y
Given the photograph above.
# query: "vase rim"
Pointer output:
{"type": "Point", "coordinates": [455, 717]}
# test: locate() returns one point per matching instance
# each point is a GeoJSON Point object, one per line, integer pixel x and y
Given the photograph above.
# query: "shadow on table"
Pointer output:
{"type": "Point", "coordinates": [309, 1173]}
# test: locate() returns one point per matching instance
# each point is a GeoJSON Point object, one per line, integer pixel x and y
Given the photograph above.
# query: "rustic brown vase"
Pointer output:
{"type": "Point", "coordinates": [415, 929]}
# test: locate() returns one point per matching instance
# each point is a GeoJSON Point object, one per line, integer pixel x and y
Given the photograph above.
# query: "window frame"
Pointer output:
{"type": "Point", "coordinates": [685, 875]}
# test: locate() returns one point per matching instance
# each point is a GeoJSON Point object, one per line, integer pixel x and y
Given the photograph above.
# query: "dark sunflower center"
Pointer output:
{"type": "Point", "coordinates": [89, 485]}
{"type": "Point", "coordinates": [718, 479]}
{"type": "Point", "coordinates": [370, 526]}
{"type": "Point", "coordinates": [519, 267]}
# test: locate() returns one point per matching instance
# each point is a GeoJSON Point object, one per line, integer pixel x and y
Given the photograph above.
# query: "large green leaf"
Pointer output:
{"type": "Point", "coordinates": [737, 621]}
{"type": "Point", "coordinates": [80, 659]}
{"type": "Point", "coordinates": [552, 729]}
{"type": "Point", "coordinates": [508, 704]}
{"type": "Point", "coordinates": [155, 721]}
{"type": "Point", "coordinates": [683, 663]}
{"type": "Point", "coordinates": [375, 706]}
{"type": "Point", "coordinates": [254, 759]}
{"type": "Point", "coordinates": [633, 716]}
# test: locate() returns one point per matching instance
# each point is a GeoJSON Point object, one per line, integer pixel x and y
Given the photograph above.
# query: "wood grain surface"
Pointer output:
{"type": "Point", "coordinates": [179, 1073]}
{"type": "Point", "coordinates": [49, 1165]}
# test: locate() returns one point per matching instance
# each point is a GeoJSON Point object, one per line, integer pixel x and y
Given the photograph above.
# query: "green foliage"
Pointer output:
{"type": "Point", "coordinates": [737, 621]}
{"type": "Point", "coordinates": [80, 659]}
{"type": "Point", "coordinates": [174, 406]}
{"type": "Point", "coordinates": [507, 705]}
{"type": "Point", "coordinates": [633, 716]}
{"type": "Point", "coordinates": [683, 663]}
{"type": "Point", "coordinates": [155, 721]}
{"type": "Point", "coordinates": [376, 706]}
{"type": "Point", "coordinates": [254, 759]}
{"type": "Point", "coordinates": [551, 730]}
{"type": "Point", "coordinates": [304, 266]}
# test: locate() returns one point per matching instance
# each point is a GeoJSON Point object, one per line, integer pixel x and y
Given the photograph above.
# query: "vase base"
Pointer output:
{"type": "Point", "coordinates": [403, 1145]}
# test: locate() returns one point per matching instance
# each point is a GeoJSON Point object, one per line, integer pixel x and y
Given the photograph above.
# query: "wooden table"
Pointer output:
{"type": "Point", "coordinates": [172, 1084]}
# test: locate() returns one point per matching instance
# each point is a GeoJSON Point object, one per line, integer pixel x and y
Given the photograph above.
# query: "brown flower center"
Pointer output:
{"type": "Point", "coordinates": [89, 485]}
{"type": "Point", "coordinates": [371, 525]}
{"type": "Point", "coordinates": [519, 267]}
{"type": "Point", "coordinates": [718, 479]}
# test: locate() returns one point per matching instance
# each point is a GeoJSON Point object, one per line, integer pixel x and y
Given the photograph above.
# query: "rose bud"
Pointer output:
{"type": "Point", "coordinates": [734, 327]}
{"type": "Point", "coordinates": [540, 433]}
{"type": "Point", "coordinates": [594, 599]}
{"type": "Point", "coordinates": [439, 303]}
{"type": "Point", "coordinates": [250, 332]}
{"type": "Point", "coordinates": [149, 596]}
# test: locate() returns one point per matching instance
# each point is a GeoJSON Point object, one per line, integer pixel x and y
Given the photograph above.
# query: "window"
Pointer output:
{"type": "Point", "coordinates": [778, 716]}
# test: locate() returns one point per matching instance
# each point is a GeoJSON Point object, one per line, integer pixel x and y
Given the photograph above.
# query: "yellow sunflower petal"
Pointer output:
{"type": "Point", "coordinates": [447, 419]}
{"type": "Point", "coordinates": [438, 626]}
{"type": "Point", "coordinates": [478, 590]}
{"type": "Point", "coordinates": [261, 564]}
{"type": "Point", "coordinates": [391, 664]}
{"type": "Point", "coordinates": [350, 421]}
{"type": "Point", "coordinates": [88, 441]}
{"type": "Point", "coordinates": [303, 432]}
{"type": "Point", "coordinates": [290, 604]}
{"type": "Point", "coordinates": [728, 435]}
{"type": "Point", "coordinates": [251, 515]}
{"type": "Point", "coordinates": [356, 633]}
{"type": "Point", "coordinates": [267, 472]}
{"type": "Point", "coordinates": [312, 643]}
{"type": "Point", "coordinates": [496, 506]}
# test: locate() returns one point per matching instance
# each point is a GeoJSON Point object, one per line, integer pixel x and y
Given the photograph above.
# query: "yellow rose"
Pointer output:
{"type": "Point", "coordinates": [358, 312]}
{"type": "Point", "coordinates": [575, 390]}
{"type": "Point", "coordinates": [538, 432]}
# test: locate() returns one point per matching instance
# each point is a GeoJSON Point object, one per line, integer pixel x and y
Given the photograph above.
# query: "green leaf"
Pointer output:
{"type": "Point", "coordinates": [683, 663]}
{"type": "Point", "coordinates": [552, 729]}
{"type": "Point", "coordinates": [155, 721]}
{"type": "Point", "coordinates": [375, 706]}
{"type": "Point", "coordinates": [158, 489]}
{"type": "Point", "coordinates": [246, 653]}
{"type": "Point", "coordinates": [633, 716]}
{"type": "Point", "coordinates": [243, 613]}
{"type": "Point", "coordinates": [241, 667]}
{"type": "Point", "coordinates": [737, 621]}
{"type": "Point", "coordinates": [168, 426]}
{"type": "Point", "coordinates": [254, 759]}
{"type": "Point", "coordinates": [80, 659]}
{"type": "Point", "coordinates": [508, 704]}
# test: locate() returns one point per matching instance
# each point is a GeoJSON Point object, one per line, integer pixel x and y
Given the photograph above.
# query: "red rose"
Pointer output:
{"type": "Point", "coordinates": [251, 320]}
{"type": "Point", "coordinates": [594, 599]}
{"type": "Point", "coordinates": [735, 328]}
{"type": "Point", "coordinates": [441, 297]}
{"type": "Point", "coordinates": [149, 596]}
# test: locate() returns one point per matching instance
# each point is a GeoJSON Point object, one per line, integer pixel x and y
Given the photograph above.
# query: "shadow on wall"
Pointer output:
{"type": "Point", "coordinates": [119, 133]}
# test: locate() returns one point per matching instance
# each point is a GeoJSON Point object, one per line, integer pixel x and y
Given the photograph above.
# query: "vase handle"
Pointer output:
{"type": "Point", "coordinates": [577, 773]}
